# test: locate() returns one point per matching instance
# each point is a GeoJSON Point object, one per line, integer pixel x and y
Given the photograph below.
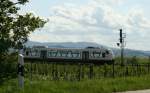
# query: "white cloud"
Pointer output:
{"type": "Point", "coordinates": [96, 21]}
{"type": "Point", "coordinates": [110, 2]}
{"type": "Point", "coordinates": [137, 18]}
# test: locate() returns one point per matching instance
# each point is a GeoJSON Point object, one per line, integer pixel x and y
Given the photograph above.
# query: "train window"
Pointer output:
{"type": "Point", "coordinates": [30, 53]}
{"type": "Point", "coordinates": [49, 53]}
{"type": "Point", "coordinates": [78, 55]}
{"type": "Point", "coordinates": [63, 53]}
{"type": "Point", "coordinates": [59, 54]}
{"type": "Point", "coordinates": [43, 54]}
{"type": "Point", "coordinates": [69, 54]}
{"type": "Point", "coordinates": [75, 54]}
{"type": "Point", "coordinates": [53, 53]}
{"type": "Point", "coordinates": [91, 55]}
{"type": "Point", "coordinates": [35, 52]}
{"type": "Point", "coordinates": [96, 54]}
{"type": "Point", "coordinates": [85, 55]}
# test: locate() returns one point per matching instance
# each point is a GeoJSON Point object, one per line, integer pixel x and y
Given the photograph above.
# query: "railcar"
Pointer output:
{"type": "Point", "coordinates": [98, 55]}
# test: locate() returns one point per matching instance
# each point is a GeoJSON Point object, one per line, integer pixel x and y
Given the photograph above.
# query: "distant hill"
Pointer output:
{"type": "Point", "coordinates": [65, 44]}
{"type": "Point", "coordinates": [128, 52]}
{"type": "Point", "coordinates": [131, 52]}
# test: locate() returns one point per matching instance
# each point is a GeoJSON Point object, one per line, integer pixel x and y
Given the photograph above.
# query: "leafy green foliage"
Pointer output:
{"type": "Point", "coordinates": [14, 27]}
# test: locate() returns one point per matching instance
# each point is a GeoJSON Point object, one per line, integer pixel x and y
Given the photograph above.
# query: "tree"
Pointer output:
{"type": "Point", "coordinates": [14, 27]}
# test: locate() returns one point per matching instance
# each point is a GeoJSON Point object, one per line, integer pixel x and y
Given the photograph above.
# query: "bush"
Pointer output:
{"type": "Point", "coordinates": [8, 67]}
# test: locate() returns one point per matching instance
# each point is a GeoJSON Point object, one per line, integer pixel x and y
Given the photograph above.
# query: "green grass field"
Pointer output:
{"type": "Point", "coordinates": [105, 85]}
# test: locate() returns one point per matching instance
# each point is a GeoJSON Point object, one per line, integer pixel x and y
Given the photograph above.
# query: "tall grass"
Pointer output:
{"type": "Point", "coordinates": [53, 78]}
{"type": "Point", "coordinates": [105, 85]}
{"type": "Point", "coordinates": [76, 72]}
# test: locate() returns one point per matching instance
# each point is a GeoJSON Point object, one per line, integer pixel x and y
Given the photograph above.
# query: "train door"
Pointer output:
{"type": "Point", "coordinates": [43, 54]}
{"type": "Point", "coordinates": [85, 55]}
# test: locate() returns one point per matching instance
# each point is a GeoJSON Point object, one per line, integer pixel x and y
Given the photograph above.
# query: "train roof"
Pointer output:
{"type": "Point", "coordinates": [89, 47]}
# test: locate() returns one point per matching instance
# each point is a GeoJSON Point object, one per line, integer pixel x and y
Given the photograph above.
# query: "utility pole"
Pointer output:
{"type": "Point", "coordinates": [21, 69]}
{"type": "Point", "coordinates": [121, 44]}
{"type": "Point", "coordinates": [149, 59]}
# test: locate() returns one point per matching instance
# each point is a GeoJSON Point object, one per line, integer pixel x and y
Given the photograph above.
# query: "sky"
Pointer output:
{"type": "Point", "coordinates": [96, 21]}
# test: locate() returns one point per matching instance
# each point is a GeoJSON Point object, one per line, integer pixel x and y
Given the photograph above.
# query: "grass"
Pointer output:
{"type": "Point", "coordinates": [99, 84]}
{"type": "Point", "coordinates": [105, 85]}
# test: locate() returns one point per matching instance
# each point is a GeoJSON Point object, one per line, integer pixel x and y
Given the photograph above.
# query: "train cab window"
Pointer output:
{"type": "Point", "coordinates": [27, 53]}
{"type": "Point", "coordinates": [103, 55]}
{"type": "Point", "coordinates": [107, 52]}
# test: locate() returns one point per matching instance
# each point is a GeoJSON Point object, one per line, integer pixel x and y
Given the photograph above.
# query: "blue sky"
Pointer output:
{"type": "Point", "coordinates": [92, 21]}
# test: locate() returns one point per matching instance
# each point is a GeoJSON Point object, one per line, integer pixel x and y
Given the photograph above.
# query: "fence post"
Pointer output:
{"type": "Point", "coordinates": [113, 69]}
{"type": "Point", "coordinates": [80, 72]}
{"type": "Point", "coordinates": [56, 72]}
{"type": "Point", "coordinates": [21, 69]}
{"type": "Point", "coordinates": [65, 72]}
{"type": "Point", "coordinates": [127, 72]}
{"type": "Point", "coordinates": [148, 67]}
{"type": "Point", "coordinates": [53, 71]}
{"type": "Point", "coordinates": [91, 71]}
{"type": "Point", "coordinates": [105, 70]}
{"type": "Point", "coordinates": [140, 69]}
{"type": "Point", "coordinates": [137, 69]}
{"type": "Point", "coordinates": [31, 73]}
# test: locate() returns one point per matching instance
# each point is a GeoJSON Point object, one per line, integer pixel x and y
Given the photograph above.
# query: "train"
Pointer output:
{"type": "Point", "coordinates": [98, 55]}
